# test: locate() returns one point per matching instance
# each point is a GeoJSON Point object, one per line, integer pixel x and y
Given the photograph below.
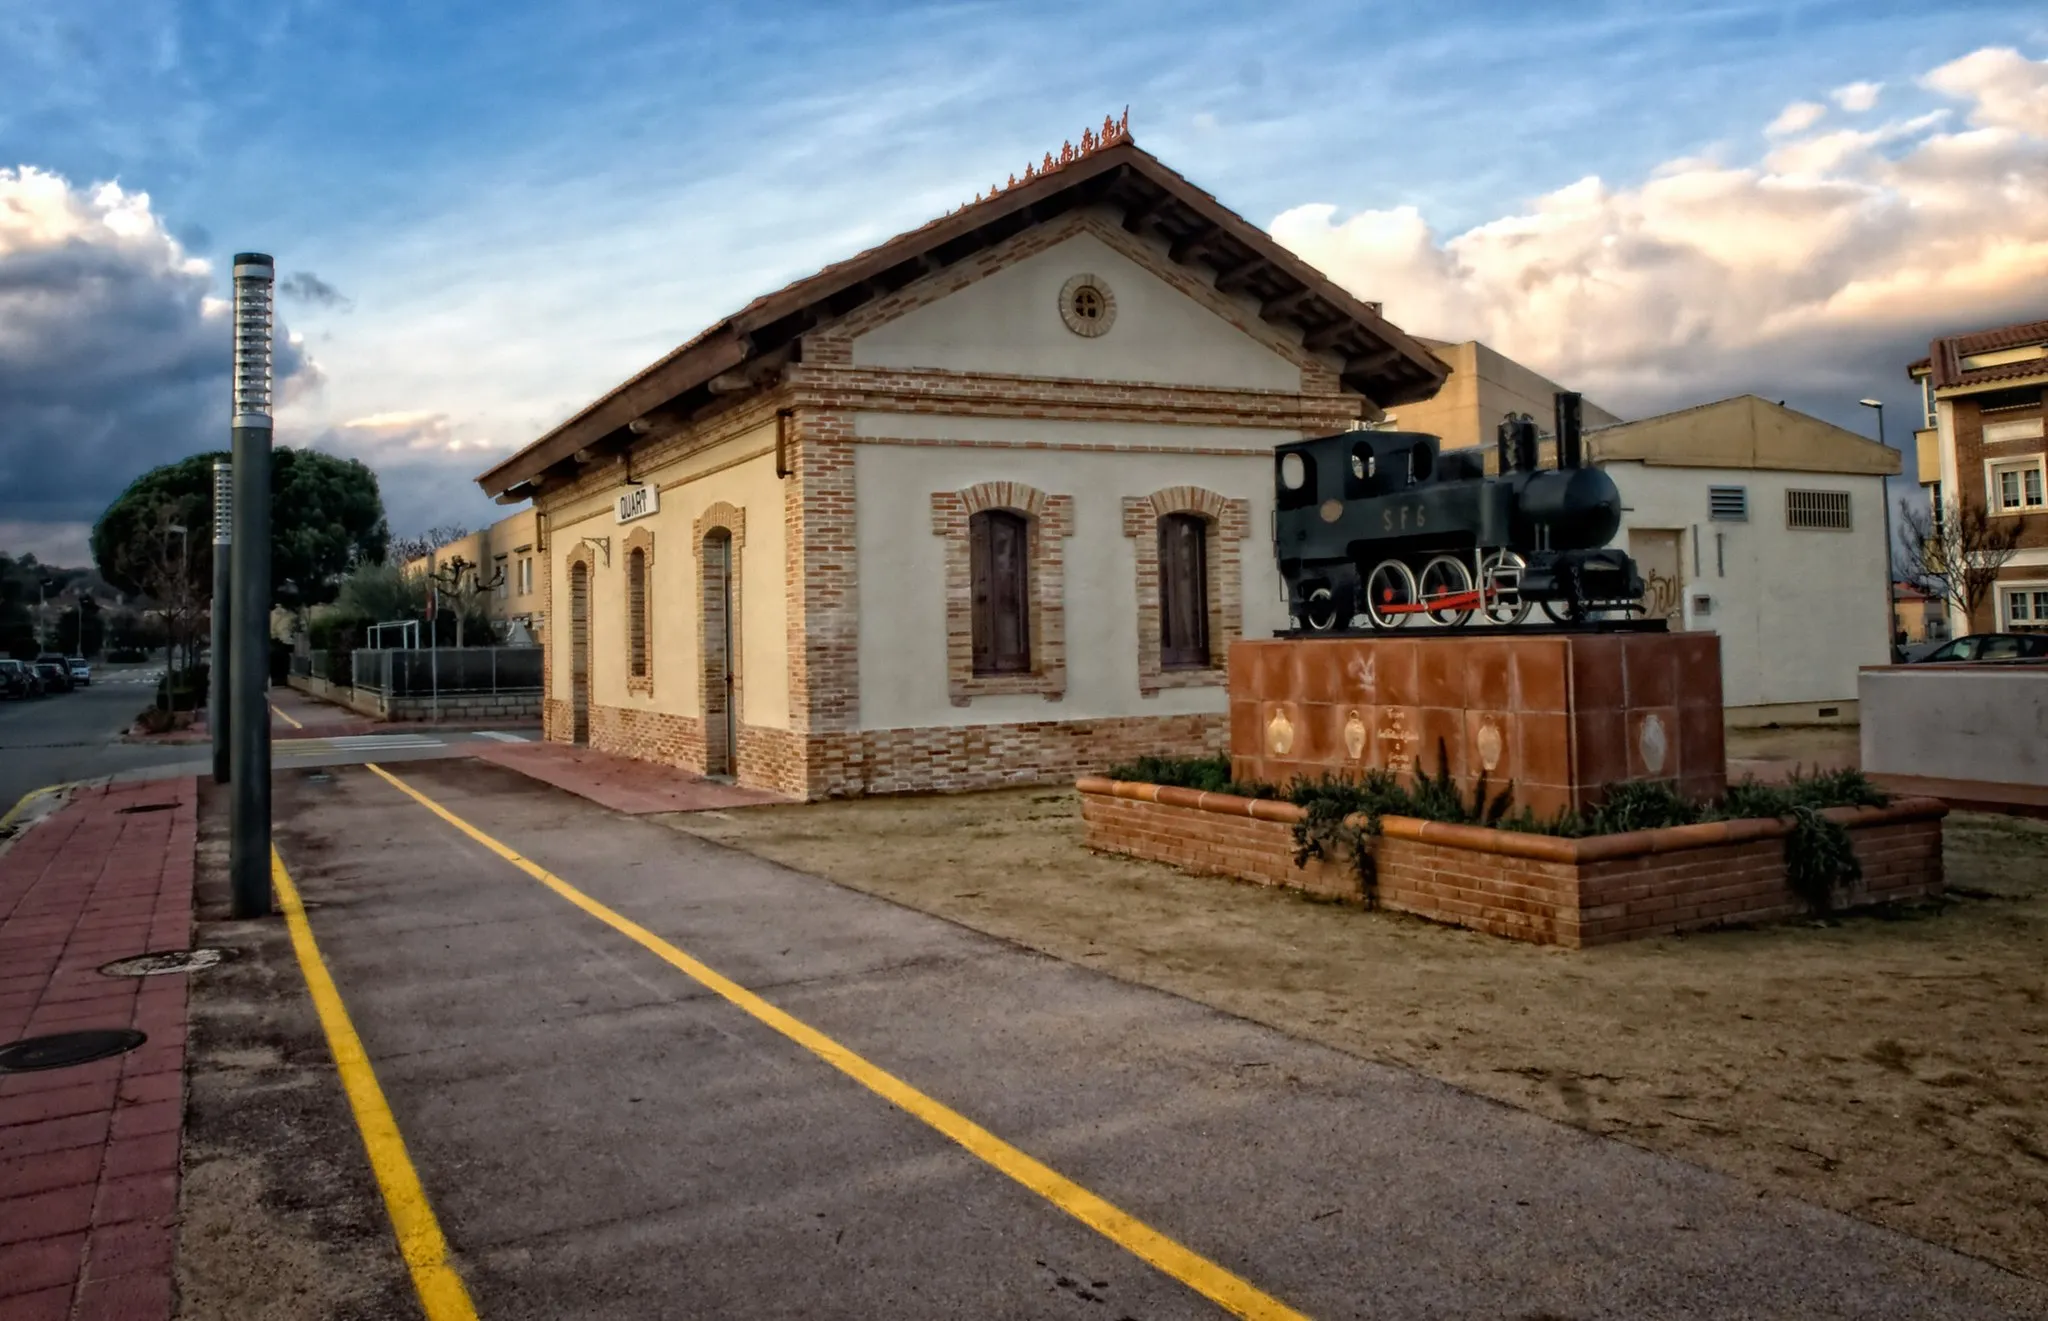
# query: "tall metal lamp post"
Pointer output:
{"type": "Point", "coordinates": [1891, 626]}
{"type": "Point", "coordinates": [217, 697]}
{"type": "Point", "coordinates": [248, 634]}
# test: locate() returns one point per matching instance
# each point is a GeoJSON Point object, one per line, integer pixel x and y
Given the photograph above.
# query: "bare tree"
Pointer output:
{"type": "Point", "coordinates": [161, 561]}
{"type": "Point", "coordinates": [404, 550]}
{"type": "Point", "coordinates": [467, 584]}
{"type": "Point", "coordinates": [1953, 552]}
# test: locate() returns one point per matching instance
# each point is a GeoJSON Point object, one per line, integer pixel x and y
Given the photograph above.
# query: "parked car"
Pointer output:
{"type": "Point", "coordinates": [81, 673]}
{"type": "Point", "coordinates": [1989, 647]}
{"type": "Point", "coordinates": [18, 680]}
{"type": "Point", "coordinates": [55, 675]}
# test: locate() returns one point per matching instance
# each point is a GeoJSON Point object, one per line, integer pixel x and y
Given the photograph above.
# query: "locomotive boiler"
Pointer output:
{"type": "Point", "coordinates": [1374, 529]}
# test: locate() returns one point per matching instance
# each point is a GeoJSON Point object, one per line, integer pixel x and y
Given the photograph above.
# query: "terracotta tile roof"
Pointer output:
{"type": "Point", "coordinates": [1945, 355]}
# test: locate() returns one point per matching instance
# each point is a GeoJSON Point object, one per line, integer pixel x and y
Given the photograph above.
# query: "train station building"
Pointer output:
{"type": "Point", "coordinates": [985, 504]}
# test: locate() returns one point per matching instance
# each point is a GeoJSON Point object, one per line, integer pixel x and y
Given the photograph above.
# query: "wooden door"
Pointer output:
{"type": "Point", "coordinates": [720, 718]}
{"type": "Point", "coordinates": [1183, 592]}
{"type": "Point", "coordinates": [1000, 562]}
{"type": "Point", "coordinates": [579, 653]}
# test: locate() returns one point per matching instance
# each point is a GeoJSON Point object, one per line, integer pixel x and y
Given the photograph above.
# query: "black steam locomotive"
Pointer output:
{"type": "Point", "coordinates": [1375, 528]}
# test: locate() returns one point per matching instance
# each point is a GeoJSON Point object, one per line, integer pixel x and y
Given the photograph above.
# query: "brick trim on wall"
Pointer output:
{"type": "Point", "coordinates": [1051, 522]}
{"type": "Point", "coordinates": [1316, 375]}
{"type": "Point", "coordinates": [642, 540]}
{"type": "Point", "coordinates": [1228, 522]}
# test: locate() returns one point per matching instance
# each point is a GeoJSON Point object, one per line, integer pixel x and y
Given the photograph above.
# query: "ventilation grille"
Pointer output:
{"type": "Point", "coordinates": [1824, 510]}
{"type": "Point", "coordinates": [1728, 504]}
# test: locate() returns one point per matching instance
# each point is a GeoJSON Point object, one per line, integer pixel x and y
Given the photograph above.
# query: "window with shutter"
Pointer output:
{"type": "Point", "coordinates": [636, 612]}
{"type": "Point", "coordinates": [1183, 592]}
{"type": "Point", "coordinates": [1000, 567]}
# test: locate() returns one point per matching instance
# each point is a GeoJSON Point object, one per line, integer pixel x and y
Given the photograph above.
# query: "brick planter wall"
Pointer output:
{"type": "Point", "coordinates": [1572, 892]}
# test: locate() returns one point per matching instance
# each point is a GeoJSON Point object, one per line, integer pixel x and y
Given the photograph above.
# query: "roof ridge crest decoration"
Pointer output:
{"type": "Point", "coordinates": [1114, 131]}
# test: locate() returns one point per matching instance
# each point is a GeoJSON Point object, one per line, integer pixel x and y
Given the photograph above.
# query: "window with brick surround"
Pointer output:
{"type": "Point", "coordinates": [1183, 592]}
{"type": "Point", "coordinates": [1189, 584]}
{"type": "Point", "coordinates": [636, 612]}
{"type": "Point", "coordinates": [1000, 563]}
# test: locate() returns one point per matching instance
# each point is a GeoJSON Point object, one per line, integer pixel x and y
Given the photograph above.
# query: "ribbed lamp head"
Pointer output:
{"type": "Point", "coordinates": [255, 282]}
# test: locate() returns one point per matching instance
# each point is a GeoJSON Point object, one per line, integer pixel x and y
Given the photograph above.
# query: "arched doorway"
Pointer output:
{"type": "Point", "coordinates": [579, 653]}
{"type": "Point", "coordinates": [721, 715]}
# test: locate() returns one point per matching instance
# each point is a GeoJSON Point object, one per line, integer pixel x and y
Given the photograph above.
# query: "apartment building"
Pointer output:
{"type": "Point", "coordinates": [504, 561]}
{"type": "Point", "coordinates": [1981, 443]}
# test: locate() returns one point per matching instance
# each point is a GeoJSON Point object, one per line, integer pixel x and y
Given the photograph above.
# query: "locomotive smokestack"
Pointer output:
{"type": "Point", "coordinates": [1570, 449]}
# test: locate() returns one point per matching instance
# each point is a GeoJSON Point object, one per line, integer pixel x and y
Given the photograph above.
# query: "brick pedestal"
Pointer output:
{"type": "Point", "coordinates": [1559, 714]}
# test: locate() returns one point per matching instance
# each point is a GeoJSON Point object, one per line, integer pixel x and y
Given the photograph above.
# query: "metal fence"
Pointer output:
{"type": "Point", "coordinates": [410, 673]}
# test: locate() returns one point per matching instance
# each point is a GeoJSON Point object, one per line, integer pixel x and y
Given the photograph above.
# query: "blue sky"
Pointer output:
{"type": "Point", "coordinates": [521, 203]}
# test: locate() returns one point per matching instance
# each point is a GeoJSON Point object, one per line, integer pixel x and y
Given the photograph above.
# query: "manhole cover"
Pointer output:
{"type": "Point", "coordinates": [166, 961]}
{"type": "Point", "coordinates": [144, 807]}
{"type": "Point", "coordinates": [66, 1049]}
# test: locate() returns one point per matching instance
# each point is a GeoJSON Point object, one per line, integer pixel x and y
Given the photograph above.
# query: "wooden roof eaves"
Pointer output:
{"type": "Point", "coordinates": [792, 310]}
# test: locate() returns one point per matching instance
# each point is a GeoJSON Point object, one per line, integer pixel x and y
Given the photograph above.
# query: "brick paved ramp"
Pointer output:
{"type": "Point", "coordinates": [627, 786]}
{"type": "Point", "coordinates": [604, 1138]}
{"type": "Point", "coordinates": [89, 1154]}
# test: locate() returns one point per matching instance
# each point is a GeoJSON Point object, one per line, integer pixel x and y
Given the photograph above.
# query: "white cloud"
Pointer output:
{"type": "Point", "coordinates": [114, 351]}
{"type": "Point", "coordinates": [1796, 118]}
{"type": "Point", "coordinates": [1830, 259]}
{"type": "Point", "coordinates": [1856, 97]}
{"type": "Point", "coordinates": [2011, 91]}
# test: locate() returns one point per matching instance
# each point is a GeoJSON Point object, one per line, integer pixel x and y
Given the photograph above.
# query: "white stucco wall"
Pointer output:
{"type": "Point", "coordinates": [1984, 723]}
{"type": "Point", "coordinates": [902, 568]}
{"type": "Point", "coordinates": [1010, 323]}
{"type": "Point", "coordinates": [1797, 611]}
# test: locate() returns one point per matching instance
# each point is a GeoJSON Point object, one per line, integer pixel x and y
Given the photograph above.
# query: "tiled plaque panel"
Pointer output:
{"type": "Point", "coordinates": [1561, 715]}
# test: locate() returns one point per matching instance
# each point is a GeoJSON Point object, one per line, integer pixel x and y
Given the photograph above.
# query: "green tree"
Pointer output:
{"type": "Point", "coordinates": [326, 514]}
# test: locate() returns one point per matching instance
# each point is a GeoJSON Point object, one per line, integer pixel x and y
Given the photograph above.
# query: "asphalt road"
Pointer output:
{"type": "Point", "coordinates": [602, 1136]}
{"type": "Point", "coordinates": [76, 735]}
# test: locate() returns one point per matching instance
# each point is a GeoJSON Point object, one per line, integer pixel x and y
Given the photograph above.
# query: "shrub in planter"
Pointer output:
{"type": "Point", "coordinates": [1340, 815]}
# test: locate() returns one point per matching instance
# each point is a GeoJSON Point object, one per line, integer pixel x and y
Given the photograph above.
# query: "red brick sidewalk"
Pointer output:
{"type": "Point", "coordinates": [89, 1154]}
{"type": "Point", "coordinates": [635, 788]}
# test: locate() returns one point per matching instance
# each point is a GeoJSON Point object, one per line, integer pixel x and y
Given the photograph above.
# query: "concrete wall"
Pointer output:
{"type": "Point", "coordinates": [1010, 323]}
{"type": "Point", "coordinates": [903, 655]}
{"type": "Point", "coordinates": [1483, 388]}
{"type": "Point", "coordinates": [1981, 723]}
{"type": "Point", "coordinates": [1798, 611]}
{"type": "Point", "coordinates": [740, 473]}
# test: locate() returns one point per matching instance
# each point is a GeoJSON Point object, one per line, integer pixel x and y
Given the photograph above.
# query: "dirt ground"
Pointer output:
{"type": "Point", "coordinates": [280, 1216]}
{"type": "Point", "coordinates": [1894, 1068]}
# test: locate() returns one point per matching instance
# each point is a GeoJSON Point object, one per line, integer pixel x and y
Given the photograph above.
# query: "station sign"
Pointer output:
{"type": "Point", "coordinates": [639, 503]}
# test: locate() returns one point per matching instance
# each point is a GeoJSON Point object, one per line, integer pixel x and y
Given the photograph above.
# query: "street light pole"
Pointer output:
{"type": "Point", "coordinates": [218, 696]}
{"type": "Point", "coordinates": [1891, 626]}
{"type": "Point", "coordinates": [248, 634]}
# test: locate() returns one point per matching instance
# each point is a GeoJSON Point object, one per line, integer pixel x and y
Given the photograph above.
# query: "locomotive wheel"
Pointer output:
{"type": "Point", "coordinates": [1391, 585]}
{"type": "Point", "coordinates": [1503, 605]}
{"type": "Point", "coordinates": [1320, 613]}
{"type": "Point", "coordinates": [1446, 576]}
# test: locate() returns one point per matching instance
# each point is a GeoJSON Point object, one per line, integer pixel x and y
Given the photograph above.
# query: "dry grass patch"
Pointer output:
{"type": "Point", "coordinates": [1893, 1068]}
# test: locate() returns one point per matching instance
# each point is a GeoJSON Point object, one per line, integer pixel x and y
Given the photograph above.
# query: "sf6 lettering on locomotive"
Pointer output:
{"type": "Point", "coordinates": [1406, 518]}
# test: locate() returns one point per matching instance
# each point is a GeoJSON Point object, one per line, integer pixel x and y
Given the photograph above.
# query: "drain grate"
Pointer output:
{"type": "Point", "coordinates": [65, 1049]}
{"type": "Point", "coordinates": [144, 807]}
{"type": "Point", "coordinates": [161, 962]}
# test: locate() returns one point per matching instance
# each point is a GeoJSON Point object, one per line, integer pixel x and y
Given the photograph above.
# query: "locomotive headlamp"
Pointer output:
{"type": "Point", "coordinates": [1293, 472]}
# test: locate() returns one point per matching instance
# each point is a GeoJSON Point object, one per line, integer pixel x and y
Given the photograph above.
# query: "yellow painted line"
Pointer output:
{"type": "Point", "coordinates": [1205, 1277]}
{"type": "Point", "coordinates": [442, 1295]}
{"type": "Point", "coordinates": [21, 803]}
{"type": "Point", "coordinates": [278, 711]}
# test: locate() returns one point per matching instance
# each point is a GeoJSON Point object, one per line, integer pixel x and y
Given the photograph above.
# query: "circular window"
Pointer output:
{"type": "Point", "coordinates": [1087, 306]}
